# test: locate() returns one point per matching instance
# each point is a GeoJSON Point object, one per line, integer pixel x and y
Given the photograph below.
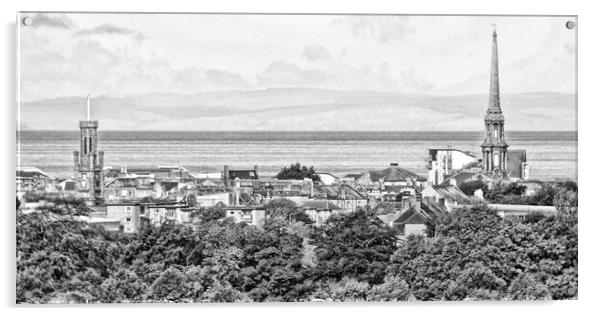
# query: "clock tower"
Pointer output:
{"type": "Point", "coordinates": [494, 146]}
{"type": "Point", "coordinates": [88, 163]}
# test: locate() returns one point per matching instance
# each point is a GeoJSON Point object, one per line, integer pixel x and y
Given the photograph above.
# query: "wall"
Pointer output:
{"type": "Point", "coordinates": [414, 229]}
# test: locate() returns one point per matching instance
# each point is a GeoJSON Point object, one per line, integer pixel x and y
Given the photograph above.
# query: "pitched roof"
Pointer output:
{"type": "Point", "coordinates": [334, 192]}
{"type": "Point", "coordinates": [28, 172]}
{"type": "Point", "coordinates": [413, 216]}
{"type": "Point", "coordinates": [243, 174]}
{"type": "Point", "coordinates": [464, 176]}
{"type": "Point", "coordinates": [320, 205]}
{"type": "Point", "coordinates": [393, 173]}
{"type": "Point", "coordinates": [432, 208]}
{"type": "Point", "coordinates": [452, 193]}
{"type": "Point", "coordinates": [385, 208]}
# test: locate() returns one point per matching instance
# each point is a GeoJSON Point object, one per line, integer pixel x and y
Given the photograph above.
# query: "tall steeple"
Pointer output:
{"type": "Point", "coordinates": [494, 81]}
{"type": "Point", "coordinates": [494, 145]}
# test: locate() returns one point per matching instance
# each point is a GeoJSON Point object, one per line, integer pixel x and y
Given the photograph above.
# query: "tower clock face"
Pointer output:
{"type": "Point", "coordinates": [496, 171]}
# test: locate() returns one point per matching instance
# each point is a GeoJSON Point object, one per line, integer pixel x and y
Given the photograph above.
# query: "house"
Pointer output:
{"type": "Point", "coordinates": [388, 212]}
{"type": "Point", "coordinates": [129, 187]}
{"type": "Point", "coordinates": [394, 176]}
{"type": "Point", "coordinates": [447, 196]}
{"type": "Point", "coordinates": [245, 176]}
{"type": "Point", "coordinates": [327, 178]}
{"type": "Point", "coordinates": [444, 162]}
{"type": "Point", "coordinates": [29, 179]}
{"type": "Point", "coordinates": [67, 186]}
{"type": "Point", "coordinates": [416, 220]}
{"type": "Point", "coordinates": [164, 212]}
{"type": "Point", "coordinates": [109, 224]}
{"type": "Point", "coordinates": [128, 214]}
{"type": "Point", "coordinates": [211, 199]}
{"type": "Point", "coordinates": [343, 196]}
{"type": "Point", "coordinates": [160, 172]}
{"type": "Point", "coordinates": [252, 215]}
{"type": "Point", "coordinates": [320, 210]}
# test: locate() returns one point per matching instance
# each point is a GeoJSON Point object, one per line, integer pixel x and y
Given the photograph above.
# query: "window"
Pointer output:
{"type": "Point", "coordinates": [247, 218]}
{"type": "Point", "coordinates": [128, 219]}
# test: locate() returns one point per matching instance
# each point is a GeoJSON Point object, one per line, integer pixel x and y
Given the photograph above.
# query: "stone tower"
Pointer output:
{"type": "Point", "coordinates": [88, 163]}
{"type": "Point", "coordinates": [494, 146]}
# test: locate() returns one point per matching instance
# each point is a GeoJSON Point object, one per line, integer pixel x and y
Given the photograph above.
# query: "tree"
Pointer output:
{"type": "Point", "coordinates": [355, 245]}
{"type": "Point", "coordinates": [345, 290]}
{"type": "Point", "coordinates": [527, 287]}
{"type": "Point", "coordinates": [297, 172]}
{"type": "Point", "coordinates": [287, 209]}
{"type": "Point", "coordinates": [393, 289]}
{"type": "Point", "coordinates": [469, 187]}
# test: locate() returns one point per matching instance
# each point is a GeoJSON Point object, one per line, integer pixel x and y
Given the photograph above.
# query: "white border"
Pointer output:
{"type": "Point", "coordinates": [589, 55]}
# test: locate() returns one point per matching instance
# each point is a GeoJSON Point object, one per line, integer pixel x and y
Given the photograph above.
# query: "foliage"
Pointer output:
{"type": "Point", "coordinates": [469, 187]}
{"type": "Point", "coordinates": [547, 194]}
{"type": "Point", "coordinates": [297, 172]}
{"type": "Point", "coordinates": [287, 209]}
{"type": "Point", "coordinates": [354, 245]}
{"type": "Point", "coordinates": [473, 255]}
{"type": "Point", "coordinates": [476, 255]}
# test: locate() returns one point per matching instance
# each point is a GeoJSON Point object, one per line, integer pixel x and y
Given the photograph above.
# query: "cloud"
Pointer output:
{"type": "Point", "coordinates": [110, 29]}
{"type": "Point", "coordinates": [384, 29]}
{"type": "Point", "coordinates": [195, 80]}
{"type": "Point", "coordinates": [289, 74]}
{"type": "Point", "coordinates": [316, 53]}
{"type": "Point", "coordinates": [60, 21]}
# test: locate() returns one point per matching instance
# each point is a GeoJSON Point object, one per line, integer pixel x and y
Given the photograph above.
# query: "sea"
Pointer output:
{"type": "Point", "coordinates": [551, 155]}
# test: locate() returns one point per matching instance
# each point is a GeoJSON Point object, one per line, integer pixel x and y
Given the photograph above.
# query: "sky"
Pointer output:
{"type": "Point", "coordinates": [64, 55]}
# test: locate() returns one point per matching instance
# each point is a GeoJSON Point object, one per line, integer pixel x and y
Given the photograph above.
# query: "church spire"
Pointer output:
{"type": "Point", "coordinates": [494, 84]}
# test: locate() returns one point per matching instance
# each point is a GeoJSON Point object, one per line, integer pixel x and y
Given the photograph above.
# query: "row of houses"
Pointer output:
{"type": "Point", "coordinates": [136, 197]}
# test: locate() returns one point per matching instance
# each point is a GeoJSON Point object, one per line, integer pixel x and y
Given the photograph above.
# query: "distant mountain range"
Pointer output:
{"type": "Point", "coordinates": [306, 109]}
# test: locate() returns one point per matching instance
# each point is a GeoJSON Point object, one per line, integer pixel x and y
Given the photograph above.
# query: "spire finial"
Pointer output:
{"type": "Point", "coordinates": [88, 103]}
{"type": "Point", "coordinates": [494, 30]}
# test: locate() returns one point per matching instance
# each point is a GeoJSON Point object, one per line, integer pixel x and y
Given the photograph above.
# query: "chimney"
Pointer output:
{"type": "Point", "coordinates": [256, 168]}
{"type": "Point", "coordinates": [124, 170]}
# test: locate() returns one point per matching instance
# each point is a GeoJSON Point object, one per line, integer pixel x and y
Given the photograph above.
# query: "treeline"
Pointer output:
{"type": "Point", "coordinates": [515, 193]}
{"type": "Point", "coordinates": [473, 255]}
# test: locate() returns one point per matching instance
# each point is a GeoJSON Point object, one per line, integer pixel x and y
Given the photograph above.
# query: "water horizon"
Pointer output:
{"type": "Point", "coordinates": [551, 154]}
